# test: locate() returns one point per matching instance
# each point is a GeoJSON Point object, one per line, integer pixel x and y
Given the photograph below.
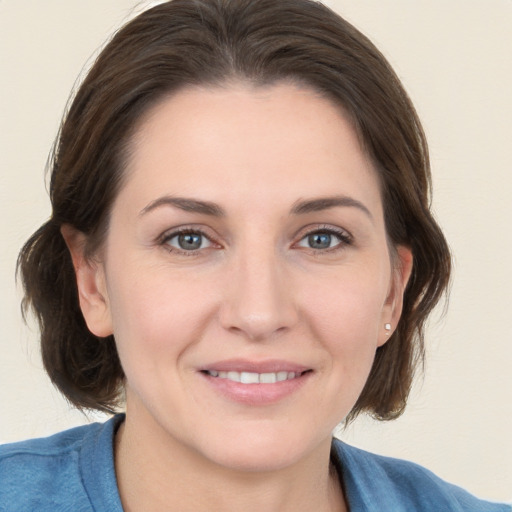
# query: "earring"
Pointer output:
{"type": "Point", "coordinates": [388, 329]}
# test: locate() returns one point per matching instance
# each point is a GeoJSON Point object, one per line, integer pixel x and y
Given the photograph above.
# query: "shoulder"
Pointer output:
{"type": "Point", "coordinates": [52, 473]}
{"type": "Point", "coordinates": [375, 482]}
{"type": "Point", "coordinates": [43, 474]}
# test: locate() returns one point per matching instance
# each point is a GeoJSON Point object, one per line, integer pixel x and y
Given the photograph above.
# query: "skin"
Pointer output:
{"type": "Point", "coordinates": [255, 290]}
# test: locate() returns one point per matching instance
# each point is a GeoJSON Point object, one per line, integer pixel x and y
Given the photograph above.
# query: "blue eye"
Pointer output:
{"type": "Point", "coordinates": [189, 241]}
{"type": "Point", "coordinates": [322, 240]}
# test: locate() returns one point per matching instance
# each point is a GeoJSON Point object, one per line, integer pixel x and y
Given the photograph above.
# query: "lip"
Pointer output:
{"type": "Point", "coordinates": [266, 366]}
{"type": "Point", "coordinates": [256, 394]}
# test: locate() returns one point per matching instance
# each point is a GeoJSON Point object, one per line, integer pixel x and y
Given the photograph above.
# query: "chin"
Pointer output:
{"type": "Point", "coordinates": [255, 459]}
{"type": "Point", "coordinates": [262, 449]}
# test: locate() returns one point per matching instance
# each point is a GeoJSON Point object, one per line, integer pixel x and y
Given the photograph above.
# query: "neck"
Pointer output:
{"type": "Point", "coordinates": [155, 472]}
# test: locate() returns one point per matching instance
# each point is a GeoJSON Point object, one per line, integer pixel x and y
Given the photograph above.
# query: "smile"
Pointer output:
{"type": "Point", "coordinates": [256, 383]}
{"type": "Point", "coordinates": [255, 378]}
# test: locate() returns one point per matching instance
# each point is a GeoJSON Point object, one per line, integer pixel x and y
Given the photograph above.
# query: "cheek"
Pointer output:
{"type": "Point", "coordinates": [348, 309]}
{"type": "Point", "coordinates": [347, 326]}
{"type": "Point", "coordinates": [155, 317]}
{"type": "Point", "coordinates": [346, 318]}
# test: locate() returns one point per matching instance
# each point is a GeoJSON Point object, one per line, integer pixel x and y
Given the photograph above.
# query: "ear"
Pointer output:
{"type": "Point", "coordinates": [401, 272]}
{"type": "Point", "coordinates": [91, 284]}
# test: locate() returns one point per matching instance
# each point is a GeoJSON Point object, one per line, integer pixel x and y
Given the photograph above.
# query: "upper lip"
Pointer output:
{"type": "Point", "coordinates": [268, 366]}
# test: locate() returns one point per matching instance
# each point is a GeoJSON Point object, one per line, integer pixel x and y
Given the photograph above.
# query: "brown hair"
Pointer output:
{"type": "Point", "coordinates": [207, 42]}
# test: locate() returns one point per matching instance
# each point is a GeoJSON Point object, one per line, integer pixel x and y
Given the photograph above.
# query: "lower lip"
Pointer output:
{"type": "Point", "coordinates": [256, 394]}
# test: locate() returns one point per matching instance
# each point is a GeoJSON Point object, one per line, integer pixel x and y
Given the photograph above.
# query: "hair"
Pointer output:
{"type": "Point", "coordinates": [185, 43]}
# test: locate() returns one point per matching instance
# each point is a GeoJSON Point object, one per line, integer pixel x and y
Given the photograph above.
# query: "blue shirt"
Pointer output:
{"type": "Point", "coordinates": [74, 471]}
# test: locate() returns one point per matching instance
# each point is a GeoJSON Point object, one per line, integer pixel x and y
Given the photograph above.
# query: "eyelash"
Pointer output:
{"type": "Point", "coordinates": [168, 236]}
{"type": "Point", "coordinates": [345, 239]}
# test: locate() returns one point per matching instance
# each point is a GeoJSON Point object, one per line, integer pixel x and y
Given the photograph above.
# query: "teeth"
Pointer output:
{"type": "Point", "coordinates": [249, 378]}
{"type": "Point", "coordinates": [233, 376]}
{"type": "Point", "coordinates": [254, 378]}
{"type": "Point", "coordinates": [268, 378]}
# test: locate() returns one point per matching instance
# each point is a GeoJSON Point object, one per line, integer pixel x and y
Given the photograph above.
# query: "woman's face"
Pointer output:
{"type": "Point", "coordinates": [246, 274]}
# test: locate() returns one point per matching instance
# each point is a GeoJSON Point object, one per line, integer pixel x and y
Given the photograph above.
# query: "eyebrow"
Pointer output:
{"type": "Point", "coordinates": [324, 203]}
{"type": "Point", "coordinates": [299, 208]}
{"type": "Point", "coordinates": [185, 204]}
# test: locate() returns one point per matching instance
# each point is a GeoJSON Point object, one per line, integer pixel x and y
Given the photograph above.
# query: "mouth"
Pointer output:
{"type": "Point", "coordinates": [256, 383]}
{"type": "Point", "coordinates": [245, 377]}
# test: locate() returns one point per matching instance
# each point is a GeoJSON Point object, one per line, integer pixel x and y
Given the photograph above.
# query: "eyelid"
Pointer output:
{"type": "Point", "coordinates": [169, 234]}
{"type": "Point", "coordinates": [345, 236]}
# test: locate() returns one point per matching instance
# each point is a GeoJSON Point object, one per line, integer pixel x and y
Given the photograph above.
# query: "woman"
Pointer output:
{"type": "Point", "coordinates": [241, 252]}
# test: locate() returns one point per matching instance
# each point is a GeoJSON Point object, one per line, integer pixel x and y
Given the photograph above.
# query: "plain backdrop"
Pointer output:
{"type": "Point", "coordinates": [455, 59]}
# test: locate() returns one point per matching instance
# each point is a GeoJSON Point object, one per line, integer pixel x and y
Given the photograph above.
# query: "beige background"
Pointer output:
{"type": "Point", "coordinates": [455, 58]}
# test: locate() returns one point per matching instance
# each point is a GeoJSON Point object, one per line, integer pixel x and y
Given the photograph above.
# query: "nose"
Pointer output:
{"type": "Point", "coordinates": [258, 300]}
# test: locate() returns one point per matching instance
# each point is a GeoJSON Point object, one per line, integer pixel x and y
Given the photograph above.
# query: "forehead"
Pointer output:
{"type": "Point", "coordinates": [281, 140]}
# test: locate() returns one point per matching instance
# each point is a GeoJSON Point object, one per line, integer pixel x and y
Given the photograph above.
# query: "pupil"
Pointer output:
{"type": "Point", "coordinates": [189, 241]}
{"type": "Point", "coordinates": [319, 241]}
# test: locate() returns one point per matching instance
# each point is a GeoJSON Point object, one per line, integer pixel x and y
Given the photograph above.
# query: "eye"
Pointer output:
{"type": "Point", "coordinates": [187, 241]}
{"type": "Point", "coordinates": [324, 239]}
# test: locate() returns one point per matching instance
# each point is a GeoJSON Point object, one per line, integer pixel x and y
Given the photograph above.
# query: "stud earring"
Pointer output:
{"type": "Point", "coordinates": [388, 329]}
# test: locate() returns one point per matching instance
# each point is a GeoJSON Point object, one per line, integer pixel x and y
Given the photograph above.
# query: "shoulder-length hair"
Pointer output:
{"type": "Point", "coordinates": [185, 43]}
